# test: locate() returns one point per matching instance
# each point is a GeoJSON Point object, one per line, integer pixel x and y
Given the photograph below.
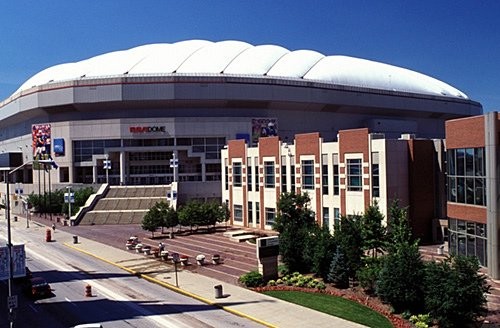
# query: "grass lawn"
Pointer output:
{"type": "Point", "coordinates": [333, 305]}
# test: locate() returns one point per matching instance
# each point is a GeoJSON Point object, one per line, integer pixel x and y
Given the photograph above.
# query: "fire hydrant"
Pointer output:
{"type": "Point", "coordinates": [48, 235]}
{"type": "Point", "coordinates": [88, 291]}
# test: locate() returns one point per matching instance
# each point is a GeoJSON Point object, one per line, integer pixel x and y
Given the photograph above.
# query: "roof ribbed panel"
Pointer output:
{"type": "Point", "coordinates": [166, 58]}
{"type": "Point", "coordinates": [213, 58]}
{"type": "Point", "coordinates": [256, 60]}
{"type": "Point", "coordinates": [200, 57]}
{"type": "Point", "coordinates": [295, 64]}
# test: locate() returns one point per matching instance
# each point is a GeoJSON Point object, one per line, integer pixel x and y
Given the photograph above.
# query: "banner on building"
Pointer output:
{"type": "Point", "coordinates": [18, 262]}
{"type": "Point", "coordinates": [41, 144]}
{"type": "Point", "coordinates": [263, 127]}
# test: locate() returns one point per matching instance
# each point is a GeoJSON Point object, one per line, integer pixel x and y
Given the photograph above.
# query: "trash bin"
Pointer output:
{"type": "Point", "coordinates": [218, 291]}
{"type": "Point", "coordinates": [440, 250]}
{"type": "Point", "coordinates": [75, 239]}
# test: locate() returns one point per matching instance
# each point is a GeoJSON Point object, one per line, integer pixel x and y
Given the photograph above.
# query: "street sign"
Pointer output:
{"type": "Point", "coordinates": [174, 163]}
{"type": "Point", "coordinates": [12, 302]}
{"type": "Point", "coordinates": [107, 164]}
{"type": "Point", "coordinates": [72, 197]}
{"type": "Point", "coordinates": [172, 195]}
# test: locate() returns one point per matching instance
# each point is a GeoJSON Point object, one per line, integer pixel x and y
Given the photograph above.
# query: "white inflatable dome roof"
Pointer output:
{"type": "Point", "coordinates": [239, 58]}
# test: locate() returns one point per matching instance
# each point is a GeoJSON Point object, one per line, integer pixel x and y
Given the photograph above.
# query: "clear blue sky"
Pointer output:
{"type": "Point", "coordinates": [456, 41]}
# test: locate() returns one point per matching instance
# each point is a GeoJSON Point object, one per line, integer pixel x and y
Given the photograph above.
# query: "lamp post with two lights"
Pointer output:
{"type": "Point", "coordinates": [7, 175]}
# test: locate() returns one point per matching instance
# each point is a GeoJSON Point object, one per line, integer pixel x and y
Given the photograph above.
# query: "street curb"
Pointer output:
{"type": "Point", "coordinates": [173, 288]}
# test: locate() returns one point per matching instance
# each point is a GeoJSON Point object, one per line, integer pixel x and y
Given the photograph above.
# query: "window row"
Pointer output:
{"type": "Point", "coordinates": [354, 175]}
{"type": "Point", "coordinates": [468, 238]}
{"type": "Point", "coordinates": [270, 214]}
{"type": "Point", "coordinates": [84, 149]}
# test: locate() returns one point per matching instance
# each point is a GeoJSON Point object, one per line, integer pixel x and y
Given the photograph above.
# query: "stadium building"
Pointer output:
{"type": "Point", "coordinates": [159, 113]}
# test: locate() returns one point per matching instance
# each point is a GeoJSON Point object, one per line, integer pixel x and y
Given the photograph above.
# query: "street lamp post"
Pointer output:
{"type": "Point", "coordinates": [69, 202]}
{"type": "Point", "coordinates": [9, 244]}
{"type": "Point", "coordinates": [9, 238]}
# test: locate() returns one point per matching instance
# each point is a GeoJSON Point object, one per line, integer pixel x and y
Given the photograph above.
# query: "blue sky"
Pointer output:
{"type": "Point", "coordinates": [456, 41]}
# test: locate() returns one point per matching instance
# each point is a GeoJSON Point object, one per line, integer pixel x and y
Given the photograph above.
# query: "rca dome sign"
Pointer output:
{"type": "Point", "coordinates": [147, 129]}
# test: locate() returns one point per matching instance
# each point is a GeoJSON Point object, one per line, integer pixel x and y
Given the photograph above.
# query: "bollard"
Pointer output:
{"type": "Point", "coordinates": [75, 239]}
{"type": "Point", "coordinates": [88, 291]}
{"type": "Point", "coordinates": [218, 291]}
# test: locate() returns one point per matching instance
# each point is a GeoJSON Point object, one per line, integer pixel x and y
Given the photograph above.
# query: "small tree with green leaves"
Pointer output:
{"type": "Point", "coordinates": [400, 279]}
{"type": "Point", "coordinates": [168, 215]}
{"type": "Point", "coordinates": [455, 291]}
{"type": "Point", "coordinates": [319, 249]}
{"type": "Point", "coordinates": [372, 230]}
{"type": "Point", "coordinates": [294, 222]}
{"type": "Point", "coordinates": [398, 227]}
{"type": "Point", "coordinates": [152, 220]}
{"type": "Point", "coordinates": [339, 269]}
{"type": "Point", "coordinates": [350, 241]}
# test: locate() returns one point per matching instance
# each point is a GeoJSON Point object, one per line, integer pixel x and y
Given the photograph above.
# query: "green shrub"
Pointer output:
{"type": "Point", "coordinates": [252, 279]}
{"type": "Point", "coordinates": [421, 320]}
{"type": "Point", "coordinates": [271, 283]}
{"type": "Point", "coordinates": [279, 281]}
{"type": "Point", "coordinates": [283, 270]}
{"type": "Point", "coordinates": [320, 285]}
{"type": "Point", "coordinates": [368, 274]}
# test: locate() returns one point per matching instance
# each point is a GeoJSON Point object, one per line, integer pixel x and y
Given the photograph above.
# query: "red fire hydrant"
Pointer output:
{"type": "Point", "coordinates": [48, 235]}
{"type": "Point", "coordinates": [88, 291]}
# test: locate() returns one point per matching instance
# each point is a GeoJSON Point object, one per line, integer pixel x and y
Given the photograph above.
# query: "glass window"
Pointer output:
{"type": "Point", "coordinates": [375, 175]}
{"type": "Point", "coordinates": [324, 173]}
{"type": "Point", "coordinates": [270, 215]}
{"type": "Point", "coordinates": [269, 174]}
{"type": "Point", "coordinates": [237, 174]}
{"type": "Point", "coordinates": [226, 173]}
{"type": "Point", "coordinates": [283, 174]}
{"type": "Point", "coordinates": [460, 161]}
{"type": "Point", "coordinates": [479, 162]}
{"type": "Point", "coordinates": [292, 173]}
{"type": "Point", "coordinates": [336, 217]}
{"type": "Point", "coordinates": [336, 184]}
{"type": "Point", "coordinates": [469, 162]}
{"type": "Point", "coordinates": [257, 212]}
{"type": "Point", "coordinates": [250, 213]}
{"type": "Point", "coordinates": [238, 213]}
{"type": "Point", "coordinates": [354, 175]}
{"type": "Point", "coordinates": [466, 176]}
{"type": "Point", "coordinates": [307, 174]}
{"type": "Point", "coordinates": [249, 178]}
{"type": "Point", "coordinates": [451, 162]}
{"type": "Point", "coordinates": [257, 178]}
{"type": "Point", "coordinates": [326, 217]}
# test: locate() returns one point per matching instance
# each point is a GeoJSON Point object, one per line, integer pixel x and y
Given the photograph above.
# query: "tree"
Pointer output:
{"type": "Point", "coordinates": [168, 215]}
{"type": "Point", "coordinates": [401, 274]}
{"type": "Point", "coordinates": [350, 241]}
{"type": "Point", "coordinates": [400, 278]}
{"type": "Point", "coordinates": [319, 249]}
{"type": "Point", "coordinates": [339, 269]}
{"type": "Point", "coordinates": [294, 222]}
{"type": "Point", "coordinates": [372, 230]}
{"type": "Point", "coordinates": [455, 291]}
{"type": "Point", "coordinates": [152, 220]}
{"type": "Point", "coordinates": [398, 227]}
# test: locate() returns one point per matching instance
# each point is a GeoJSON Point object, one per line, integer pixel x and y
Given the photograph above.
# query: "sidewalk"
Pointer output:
{"type": "Point", "coordinates": [268, 311]}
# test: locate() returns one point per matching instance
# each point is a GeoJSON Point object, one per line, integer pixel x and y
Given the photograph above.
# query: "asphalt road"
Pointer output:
{"type": "Point", "coordinates": [118, 299]}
